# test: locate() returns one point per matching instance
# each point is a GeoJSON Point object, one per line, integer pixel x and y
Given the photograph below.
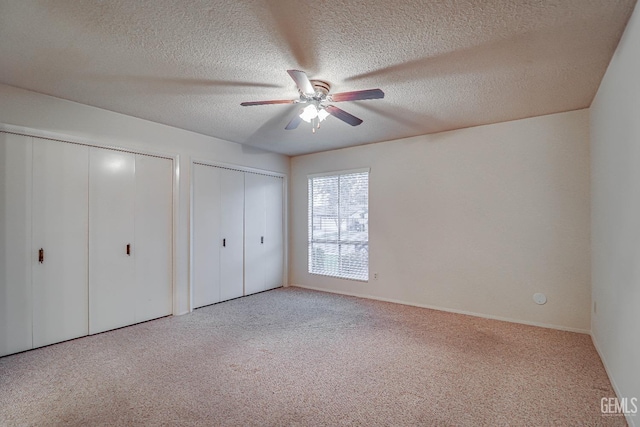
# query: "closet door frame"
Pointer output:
{"type": "Point", "coordinates": [175, 158]}
{"type": "Point", "coordinates": [285, 214]}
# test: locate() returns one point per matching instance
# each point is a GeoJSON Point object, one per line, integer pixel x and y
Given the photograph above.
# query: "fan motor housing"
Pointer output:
{"type": "Point", "coordinates": [321, 87]}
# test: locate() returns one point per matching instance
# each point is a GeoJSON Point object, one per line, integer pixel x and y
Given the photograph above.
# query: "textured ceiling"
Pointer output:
{"type": "Point", "coordinates": [443, 64]}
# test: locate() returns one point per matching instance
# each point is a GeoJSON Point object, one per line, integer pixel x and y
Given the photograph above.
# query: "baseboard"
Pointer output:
{"type": "Point", "coordinates": [616, 390]}
{"type": "Point", "coordinates": [450, 310]}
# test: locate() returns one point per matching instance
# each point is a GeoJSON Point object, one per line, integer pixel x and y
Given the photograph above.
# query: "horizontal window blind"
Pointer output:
{"type": "Point", "coordinates": [339, 225]}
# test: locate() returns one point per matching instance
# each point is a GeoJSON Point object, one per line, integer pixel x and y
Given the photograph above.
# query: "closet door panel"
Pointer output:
{"type": "Point", "coordinates": [254, 233]}
{"type": "Point", "coordinates": [152, 248]}
{"type": "Point", "coordinates": [60, 229]}
{"type": "Point", "coordinates": [16, 256]}
{"type": "Point", "coordinates": [232, 230]}
{"type": "Point", "coordinates": [274, 233]}
{"type": "Point", "coordinates": [206, 235]}
{"type": "Point", "coordinates": [111, 229]}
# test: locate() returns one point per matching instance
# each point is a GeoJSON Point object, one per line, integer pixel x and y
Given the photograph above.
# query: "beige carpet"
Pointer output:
{"type": "Point", "coordinates": [298, 357]}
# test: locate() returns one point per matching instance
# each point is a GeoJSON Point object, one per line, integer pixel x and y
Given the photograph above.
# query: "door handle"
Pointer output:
{"type": "Point", "coordinates": [261, 240]}
{"type": "Point", "coordinates": [41, 255]}
{"type": "Point", "coordinates": [129, 249]}
{"type": "Point", "coordinates": [224, 243]}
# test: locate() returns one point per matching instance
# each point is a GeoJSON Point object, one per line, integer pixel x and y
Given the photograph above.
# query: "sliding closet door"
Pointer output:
{"type": "Point", "coordinates": [231, 226]}
{"type": "Point", "coordinates": [274, 232]}
{"type": "Point", "coordinates": [254, 226]}
{"type": "Point", "coordinates": [60, 234]}
{"type": "Point", "coordinates": [16, 256]}
{"type": "Point", "coordinates": [237, 220]}
{"type": "Point", "coordinates": [207, 239]}
{"type": "Point", "coordinates": [153, 237]}
{"type": "Point", "coordinates": [264, 242]}
{"type": "Point", "coordinates": [111, 230]}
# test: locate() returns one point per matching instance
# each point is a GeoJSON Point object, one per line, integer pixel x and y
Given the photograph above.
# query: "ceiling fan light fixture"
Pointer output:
{"type": "Point", "coordinates": [322, 114]}
{"type": "Point", "coordinates": [309, 113]}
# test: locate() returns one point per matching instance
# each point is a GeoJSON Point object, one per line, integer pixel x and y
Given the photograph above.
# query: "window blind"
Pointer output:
{"type": "Point", "coordinates": [339, 225]}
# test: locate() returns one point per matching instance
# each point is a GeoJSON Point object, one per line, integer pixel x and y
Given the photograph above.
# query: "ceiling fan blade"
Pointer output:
{"type": "Point", "coordinates": [281, 101]}
{"type": "Point", "coordinates": [343, 115]}
{"type": "Point", "coordinates": [302, 81]}
{"type": "Point", "coordinates": [295, 121]}
{"type": "Point", "coordinates": [357, 95]}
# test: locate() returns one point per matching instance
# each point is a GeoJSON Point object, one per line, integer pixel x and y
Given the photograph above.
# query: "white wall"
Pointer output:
{"type": "Point", "coordinates": [94, 125]}
{"type": "Point", "coordinates": [474, 220]}
{"type": "Point", "coordinates": [615, 183]}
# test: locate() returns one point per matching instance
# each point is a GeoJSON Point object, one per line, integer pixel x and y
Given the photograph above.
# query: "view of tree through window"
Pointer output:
{"type": "Point", "coordinates": [339, 225]}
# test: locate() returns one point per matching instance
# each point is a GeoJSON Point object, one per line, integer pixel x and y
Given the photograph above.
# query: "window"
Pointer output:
{"type": "Point", "coordinates": [339, 224]}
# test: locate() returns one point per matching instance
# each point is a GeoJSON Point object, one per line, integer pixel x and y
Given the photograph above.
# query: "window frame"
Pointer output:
{"type": "Point", "coordinates": [337, 242]}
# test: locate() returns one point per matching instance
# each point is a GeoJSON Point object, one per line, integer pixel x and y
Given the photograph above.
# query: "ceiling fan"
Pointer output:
{"type": "Point", "coordinates": [316, 94]}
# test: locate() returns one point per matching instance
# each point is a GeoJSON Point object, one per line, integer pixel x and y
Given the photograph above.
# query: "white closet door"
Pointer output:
{"type": "Point", "coordinates": [254, 233]}
{"type": "Point", "coordinates": [274, 233]}
{"type": "Point", "coordinates": [60, 229]}
{"type": "Point", "coordinates": [16, 255]}
{"type": "Point", "coordinates": [152, 250]}
{"type": "Point", "coordinates": [206, 235]}
{"type": "Point", "coordinates": [231, 226]}
{"type": "Point", "coordinates": [111, 228]}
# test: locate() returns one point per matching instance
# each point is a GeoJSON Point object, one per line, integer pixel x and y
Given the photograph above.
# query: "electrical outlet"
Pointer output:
{"type": "Point", "coordinates": [375, 276]}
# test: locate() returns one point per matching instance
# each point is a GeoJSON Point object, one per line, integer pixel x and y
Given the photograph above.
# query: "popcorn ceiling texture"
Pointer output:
{"type": "Point", "coordinates": [443, 64]}
{"type": "Point", "coordinates": [294, 357]}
